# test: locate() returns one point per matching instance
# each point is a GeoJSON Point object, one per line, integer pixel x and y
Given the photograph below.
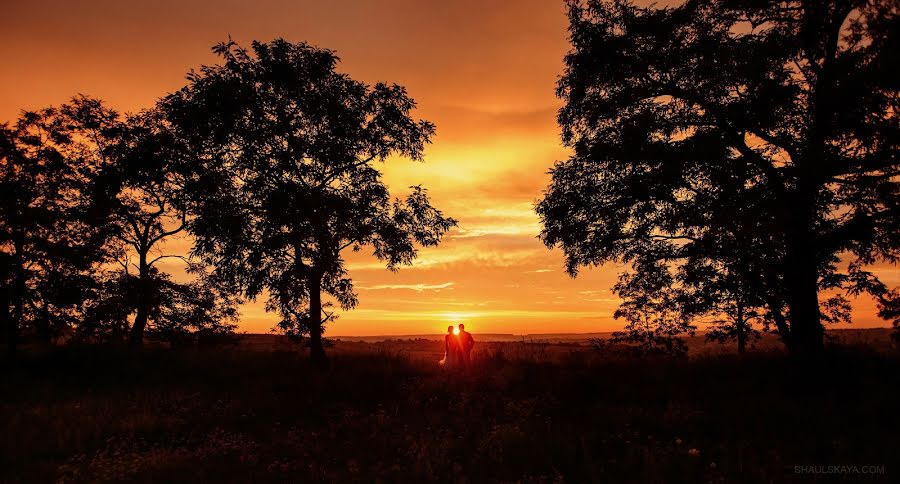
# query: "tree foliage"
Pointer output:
{"type": "Point", "coordinates": [178, 313]}
{"type": "Point", "coordinates": [52, 230]}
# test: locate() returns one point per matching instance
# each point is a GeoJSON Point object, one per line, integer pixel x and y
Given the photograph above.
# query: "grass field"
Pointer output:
{"type": "Point", "coordinates": [526, 412]}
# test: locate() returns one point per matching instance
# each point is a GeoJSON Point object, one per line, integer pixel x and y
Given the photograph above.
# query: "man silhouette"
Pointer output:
{"type": "Point", "coordinates": [466, 342]}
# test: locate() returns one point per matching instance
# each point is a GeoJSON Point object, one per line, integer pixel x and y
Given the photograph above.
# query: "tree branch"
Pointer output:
{"type": "Point", "coordinates": [174, 231]}
{"type": "Point", "coordinates": [185, 259]}
{"type": "Point", "coordinates": [738, 131]}
{"type": "Point", "coordinates": [329, 177]}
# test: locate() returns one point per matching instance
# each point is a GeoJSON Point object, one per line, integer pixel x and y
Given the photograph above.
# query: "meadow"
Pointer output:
{"type": "Point", "coordinates": [527, 411]}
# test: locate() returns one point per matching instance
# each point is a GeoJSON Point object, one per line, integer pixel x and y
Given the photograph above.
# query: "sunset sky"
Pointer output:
{"type": "Point", "coordinates": [483, 71]}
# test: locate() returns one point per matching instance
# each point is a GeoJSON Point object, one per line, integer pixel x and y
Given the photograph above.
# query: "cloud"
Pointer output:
{"type": "Point", "coordinates": [464, 256]}
{"type": "Point", "coordinates": [412, 287]}
{"type": "Point", "coordinates": [389, 303]}
{"type": "Point", "coordinates": [482, 230]}
{"type": "Point", "coordinates": [466, 315]}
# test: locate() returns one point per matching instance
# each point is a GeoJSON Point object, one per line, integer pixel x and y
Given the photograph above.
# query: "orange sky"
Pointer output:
{"type": "Point", "coordinates": [483, 71]}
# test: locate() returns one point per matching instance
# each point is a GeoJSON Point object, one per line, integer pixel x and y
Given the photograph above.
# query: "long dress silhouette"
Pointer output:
{"type": "Point", "coordinates": [452, 350]}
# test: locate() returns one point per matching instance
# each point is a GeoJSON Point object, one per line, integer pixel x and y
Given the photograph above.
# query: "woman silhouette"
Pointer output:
{"type": "Point", "coordinates": [451, 350]}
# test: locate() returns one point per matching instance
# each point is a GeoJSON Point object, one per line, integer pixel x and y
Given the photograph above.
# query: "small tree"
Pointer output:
{"type": "Point", "coordinates": [136, 172]}
{"type": "Point", "coordinates": [106, 315]}
{"type": "Point", "coordinates": [735, 322]}
{"type": "Point", "coordinates": [146, 180]}
{"type": "Point", "coordinates": [287, 145]}
{"type": "Point", "coordinates": [725, 294]}
{"type": "Point", "coordinates": [656, 323]}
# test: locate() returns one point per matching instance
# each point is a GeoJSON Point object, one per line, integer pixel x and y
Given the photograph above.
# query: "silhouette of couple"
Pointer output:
{"type": "Point", "coordinates": [457, 348]}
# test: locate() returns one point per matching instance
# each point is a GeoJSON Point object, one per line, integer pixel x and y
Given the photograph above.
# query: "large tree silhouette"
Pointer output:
{"type": "Point", "coordinates": [796, 99]}
{"type": "Point", "coordinates": [288, 146]}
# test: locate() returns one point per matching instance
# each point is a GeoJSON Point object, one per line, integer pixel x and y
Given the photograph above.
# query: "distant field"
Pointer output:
{"type": "Point", "coordinates": [529, 412]}
{"type": "Point", "coordinates": [544, 337]}
{"type": "Point", "coordinates": [431, 345]}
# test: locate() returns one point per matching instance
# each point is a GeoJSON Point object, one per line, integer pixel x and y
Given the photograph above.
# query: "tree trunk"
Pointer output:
{"type": "Point", "coordinates": [8, 328]}
{"type": "Point", "coordinates": [741, 329]}
{"type": "Point", "coordinates": [811, 169]}
{"type": "Point", "coordinates": [18, 316]}
{"type": "Point", "coordinates": [43, 328]}
{"type": "Point", "coordinates": [5, 317]}
{"type": "Point", "coordinates": [136, 337]}
{"type": "Point", "coordinates": [802, 277]}
{"type": "Point", "coordinates": [316, 350]}
{"type": "Point", "coordinates": [776, 308]}
{"type": "Point", "coordinates": [18, 301]}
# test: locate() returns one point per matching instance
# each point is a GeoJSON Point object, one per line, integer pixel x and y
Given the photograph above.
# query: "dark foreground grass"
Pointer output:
{"type": "Point", "coordinates": [244, 416]}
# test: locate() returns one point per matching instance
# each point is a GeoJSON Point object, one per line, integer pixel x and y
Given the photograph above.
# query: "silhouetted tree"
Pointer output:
{"type": "Point", "coordinates": [729, 276]}
{"type": "Point", "coordinates": [106, 315]}
{"type": "Point", "coordinates": [735, 322]}
{"type": "Point", "coordinates": [136, 175]}
{"type": "Point", "coordinates": [720, 292]}
{"type": "Point", "coordinates": [194, 313]}
{"type": "Point", "coordinates": [89, 187]}
{"type": "Point", "coordinates": [796, 98]}
{"type": "Point", "coordinates": [51, 228]}
{"type": "Point", "coordinates": [145, 183]}
{"type": "Point", "coordinates": [288, 145]}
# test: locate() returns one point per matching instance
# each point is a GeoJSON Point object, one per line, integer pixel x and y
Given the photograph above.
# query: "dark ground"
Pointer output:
{"type": "Point", "coordinates": [239, 415]}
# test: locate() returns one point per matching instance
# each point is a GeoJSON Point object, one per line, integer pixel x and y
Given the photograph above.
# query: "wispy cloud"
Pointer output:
{"type": "Point", "coordinates": [511, 219]}
{"type": "Point", "coordinates": [411, 287]}
{"type": "Point", "coordinates": [530, 229]}
{"type": "Point", "coordinates": [462, 255]}
{"type": "Point", "coordinates": [498, 314]}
